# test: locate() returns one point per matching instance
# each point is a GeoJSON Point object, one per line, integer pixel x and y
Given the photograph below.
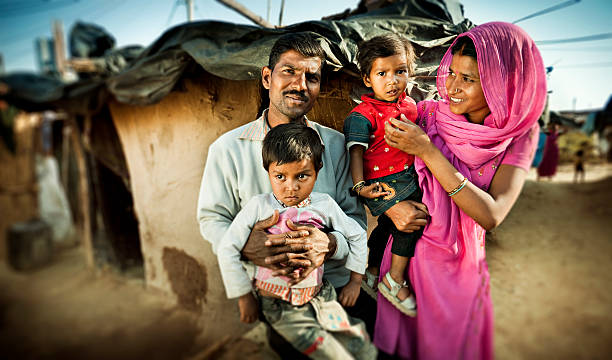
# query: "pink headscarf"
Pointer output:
{"type": "Point", "coordinates": [448, 272]}
{"type": "Point", "coordinates": [514, 85]}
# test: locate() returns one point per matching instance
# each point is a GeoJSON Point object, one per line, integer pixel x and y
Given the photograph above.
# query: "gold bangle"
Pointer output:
{"type": "Point", "coordinates": [358, 186]}
{"type": "Point", "coordinates": [459, 187]}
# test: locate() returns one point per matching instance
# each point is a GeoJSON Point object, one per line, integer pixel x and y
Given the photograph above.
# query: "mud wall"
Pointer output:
{"type": "Point", "coordinates": [166, 146]}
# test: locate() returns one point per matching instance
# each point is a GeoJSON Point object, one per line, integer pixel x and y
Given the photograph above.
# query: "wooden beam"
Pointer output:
{"type": "Point", "coordinates": [84, 197]}
{"type": "Point", "coordinates": [246, 13]}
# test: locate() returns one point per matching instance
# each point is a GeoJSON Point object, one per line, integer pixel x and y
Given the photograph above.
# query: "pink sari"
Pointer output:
{"type": "Point", "coordinates": [449, 272]}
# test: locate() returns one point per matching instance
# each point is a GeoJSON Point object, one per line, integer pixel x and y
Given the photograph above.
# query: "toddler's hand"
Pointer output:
{"type": "Point", "coordinates": [349, 294]}
{"type": "Point", "coordinates": [373, 191]}
{"type": "Point", "coordinates": [248, 308]}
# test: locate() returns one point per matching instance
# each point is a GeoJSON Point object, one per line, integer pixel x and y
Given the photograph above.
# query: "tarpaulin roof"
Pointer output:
{"type": "Point", "coordinates": [238, 52]}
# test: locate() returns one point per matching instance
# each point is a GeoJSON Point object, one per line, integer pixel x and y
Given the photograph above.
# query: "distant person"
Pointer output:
{"type": "Point", "coordinates": [473, 149]}
{"type": "Point", "coordinates": [550, 157]}
{"type": "Point", "coordinates": [537, 159]}
{"type": "Point", "coordinates": [305, 313]}
{"type": "Point", "coordinates": [579, 173]}
{"type": "Point", "coordinates": [383, 175]}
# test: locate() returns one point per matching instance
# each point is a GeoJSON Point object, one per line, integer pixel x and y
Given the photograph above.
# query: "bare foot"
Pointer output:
{"type": "Point", "coordinates": [403, 293]}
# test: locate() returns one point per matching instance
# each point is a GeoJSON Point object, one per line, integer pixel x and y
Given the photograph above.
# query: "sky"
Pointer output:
{"type": "Point", "coordinates": [581, 76]}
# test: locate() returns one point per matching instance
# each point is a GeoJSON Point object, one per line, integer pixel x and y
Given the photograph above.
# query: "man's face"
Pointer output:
{"type": "Point", "coordinates": [293, 86]}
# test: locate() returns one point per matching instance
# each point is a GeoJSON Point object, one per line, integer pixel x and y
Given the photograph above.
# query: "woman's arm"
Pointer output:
{"type": "Point", "coordinates": [487, 208]}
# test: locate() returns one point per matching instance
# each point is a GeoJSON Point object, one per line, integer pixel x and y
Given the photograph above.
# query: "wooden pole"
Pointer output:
{"type": "Point", "coordinates": [85, 227]}
{"type": "Point", "coordinates": [66, 130]}
{"type": "Point", "coordinates": [280, 14]}
{"type": "Point", "coordinates": [246, 13]}
{"type": "Point", "coordinates": [59, 47]}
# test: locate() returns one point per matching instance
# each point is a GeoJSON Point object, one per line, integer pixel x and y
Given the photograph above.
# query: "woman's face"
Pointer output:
{"type": "Point", "coordinates": [465, 91]}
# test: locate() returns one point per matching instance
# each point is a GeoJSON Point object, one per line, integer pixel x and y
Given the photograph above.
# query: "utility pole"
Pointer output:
{"type": "Point", "coordinates": [189, 5]}
{"type": "Point", "coordinates": [59, 47]}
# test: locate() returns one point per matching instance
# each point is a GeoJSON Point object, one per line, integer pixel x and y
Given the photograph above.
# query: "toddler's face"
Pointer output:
{"type": "Point", "coordinates": [292, 182]}
{"type": "Point", "coordinates": [388, 77]}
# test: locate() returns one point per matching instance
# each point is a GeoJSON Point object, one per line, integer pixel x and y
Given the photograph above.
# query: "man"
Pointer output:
{"type": "Point", "coordinates": [234, 173]}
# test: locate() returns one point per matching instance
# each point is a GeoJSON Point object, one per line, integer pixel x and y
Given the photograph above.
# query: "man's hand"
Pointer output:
{"type": "Point", "coordinates": [260, 245]}
{"type": "Point", "coordinates": [408, 215]}
{"type": "Point", "coordinates": [321, 246]}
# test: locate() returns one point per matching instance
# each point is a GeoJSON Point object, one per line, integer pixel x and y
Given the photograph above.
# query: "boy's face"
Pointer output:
{"type": "Point", "coordinates": [388, 77]}
{"type": "Point", "coordinates": [292, 182]}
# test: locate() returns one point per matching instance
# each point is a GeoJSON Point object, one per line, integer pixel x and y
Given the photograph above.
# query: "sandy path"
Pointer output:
{"type": "Point", "coordinates": [551, 269]}
{"type": "Point", "coordinates": [550, 261]}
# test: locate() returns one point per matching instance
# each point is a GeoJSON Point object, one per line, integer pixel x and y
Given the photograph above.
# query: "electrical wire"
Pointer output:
{"type": "Point", "coordinates": [578, 39]}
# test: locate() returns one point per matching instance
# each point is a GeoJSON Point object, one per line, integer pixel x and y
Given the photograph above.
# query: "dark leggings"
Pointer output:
{"type": "Point", "coordinates": [403, 243]}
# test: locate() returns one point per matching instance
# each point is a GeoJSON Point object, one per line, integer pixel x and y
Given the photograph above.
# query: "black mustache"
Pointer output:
{"type": "Point", "coordinates": [302, 95]}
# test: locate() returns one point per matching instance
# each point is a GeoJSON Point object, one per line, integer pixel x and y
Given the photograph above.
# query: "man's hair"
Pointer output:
{"type": "Point", "coordinates": [384, 46]}
{"type": "Point", "coordinates": [465, 46]}
{"type": "Point", "coordinates": [302, 42]}
{"type": "Point", "coordinates": [287, 143]}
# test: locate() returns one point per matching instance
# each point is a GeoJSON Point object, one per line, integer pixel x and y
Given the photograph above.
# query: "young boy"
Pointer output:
{"type": "Point", "coordinates": [383, 175]}
{"type": "Point", "coordinates": [307, 313]}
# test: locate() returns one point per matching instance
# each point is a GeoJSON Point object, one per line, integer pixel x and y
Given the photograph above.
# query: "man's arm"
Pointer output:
{"type": "Point", "coordinates": [218, 203]}
{"type": "Point", "coordinates": [349, 204]}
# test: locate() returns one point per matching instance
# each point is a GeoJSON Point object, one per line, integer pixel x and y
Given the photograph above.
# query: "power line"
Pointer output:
{"type": "Point", "coordinates": [578, 39]}
{"type": "Point", "coordinates": [602, 49]}
{"type": "Point", "coordinates": [589, 65]}
{"type": "Point", "coordinates": [6, 12]}
{"type": "Point", "coordinates": [547, 10]}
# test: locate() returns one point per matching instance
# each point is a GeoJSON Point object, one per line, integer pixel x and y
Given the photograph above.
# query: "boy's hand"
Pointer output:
{"type": "Point", "coordinates": [350, 292]}
{"type": "Point", "coordinates": [247, 304]}
{"type": "Point", "coordinates": [373, 191]}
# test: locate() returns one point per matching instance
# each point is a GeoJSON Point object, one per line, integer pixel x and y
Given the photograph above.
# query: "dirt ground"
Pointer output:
{"type": "Point", "coordinates": [550, 263]}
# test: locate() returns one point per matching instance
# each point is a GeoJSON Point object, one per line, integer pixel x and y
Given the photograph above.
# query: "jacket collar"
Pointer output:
{"type": "Point", "coordinates": [369, 98]}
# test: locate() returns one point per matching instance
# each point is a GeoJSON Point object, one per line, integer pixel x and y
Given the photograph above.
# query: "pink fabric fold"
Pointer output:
{"type": "Point", "coordinates": [449, 272]}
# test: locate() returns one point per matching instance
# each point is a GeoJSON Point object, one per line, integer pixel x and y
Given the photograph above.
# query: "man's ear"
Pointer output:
{"type": "Point", "coordinates": [266, 73]}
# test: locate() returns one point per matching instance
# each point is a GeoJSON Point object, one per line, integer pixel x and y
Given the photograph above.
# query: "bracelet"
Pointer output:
{"type": "Point", "coordinates": [459, 187]}
{"type": "Point", "coordinates": [357, 187]}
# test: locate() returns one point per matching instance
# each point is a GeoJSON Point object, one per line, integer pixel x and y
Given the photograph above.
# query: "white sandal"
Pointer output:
{"type": "Point", "coordinates": [369, 284]}
{"type": "Point", "coordinates": [407, 306]}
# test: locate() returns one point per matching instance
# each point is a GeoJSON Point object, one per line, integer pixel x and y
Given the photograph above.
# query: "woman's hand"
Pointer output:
{"type": "Point", "coordinates": [407, 136]}
{"type": "Point", "coordinates": [408, 215]}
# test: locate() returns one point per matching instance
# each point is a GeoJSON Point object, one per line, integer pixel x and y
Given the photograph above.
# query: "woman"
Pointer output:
{"type": "Point", "coordinates": [474, 148]}
{"type": "Point", "coordinates": [550, 157]}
